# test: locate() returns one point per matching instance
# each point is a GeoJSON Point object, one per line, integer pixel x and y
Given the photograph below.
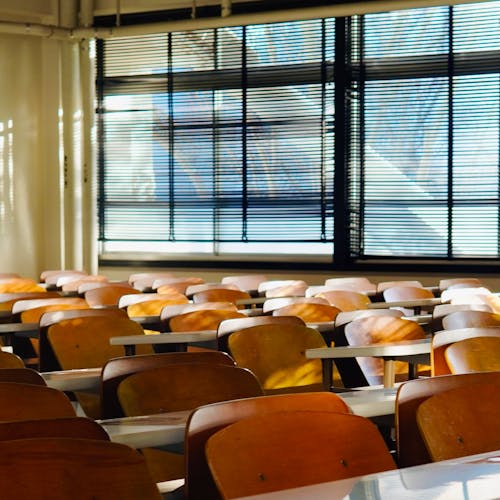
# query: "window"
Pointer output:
{"type": "Point", "coordinates": [223, 143]}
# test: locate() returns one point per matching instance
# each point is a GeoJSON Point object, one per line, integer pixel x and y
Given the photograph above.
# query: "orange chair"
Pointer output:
{"type": "Point", "coordinates": [22, 376]}
{"type": "Point", "coordinates": [477, 354]}
{"type": "Point", "coordinates": [107, 295]}
{"type": "Point", "coordinates": [355, 283]}
{"type": "Point", "coordinates": [10, 360]}
{"type": "Point", "coordinates": [461, 421]}
{"type": "Point", "coordinates": [380, 330]}
{"type": "Point", "coordinates": [470, 319]}
{"type": "Point", "coordinates": [17, 285]}
{"type": "Point", "coordinates": [60, 468]}
{"type": "Point", "coordinates": [410, 448]}
{"type": "Point", "coordinates": [311, 310]}
{"type": "Point", "coordinates": [282, 450]}
{"type": "Point", "coordinates": [346, 300]}
{"type": "Point", "coordinates": [221, 295]}
{"type": "Point", "coordinates": [205, 420]}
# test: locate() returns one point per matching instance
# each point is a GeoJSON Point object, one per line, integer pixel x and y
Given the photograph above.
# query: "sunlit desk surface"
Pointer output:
{"type": "Point", "coordinates": [177, 339]}
{"type": "Point", "coordinates": [411, 351]}
{"type": "Point", "coordinates": [417, 305]}
{"type": "Point", "coordinates": [87, 380]}
{"type": "Point", "coordinates": [149, 430]}
{"type": "Point", "coordinates": [476, 477]}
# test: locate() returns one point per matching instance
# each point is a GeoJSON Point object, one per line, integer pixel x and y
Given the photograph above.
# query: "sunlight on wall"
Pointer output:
{"type": "Point", "coordinates": [6, 171]}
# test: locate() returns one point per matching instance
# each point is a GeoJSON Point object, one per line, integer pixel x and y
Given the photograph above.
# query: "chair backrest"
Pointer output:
{"type": "Point", "coordinates": [221, 294]}
{"type": "Point", "coordinates": [73, 285]}
{"type": "Point", "coordinates": [16, 285]}
{"type": "Point", "coordinates": [10, 360]}
{"type": "Point", "coordinates": [410, 447]}
{"type": "Point", "coordinates": [108, 295]}
{"type": "Point", "coordinates": [21, 375]}
{"type": "Point", "coordinates": [383, 285]}
{"type": "Point", "coordinates": [70, 427]}
{"type": "Point", "coordinates": [175, 310]}
{"type": "Point", "coordinates": [247, 282]}
{"type": "Point", "coordinates": [295, 288]}
{"type": "Point", "coordinates": [290, 449]}
{"type": "Point", "coordinates": [33, 315]}
{"type": "Point", "coordinates": [201, 287]}
{"type": "Point", "coordinates": [355, 283]}
{"type": "Point", "coordinates": [478, 354]}
{"type": "Point", "coordinates": [208, 419]}
{"type": "Point", "coordinates": [61, 468]}
{"type": "Point", "coordinates": [461, 421]}
{"type": "Point", "coordinates": [396, 293]}
{"type": "Point", "coordinates": [232, 325]}
{"type": "Point", "coordinates": [184, 386]}
{"type": "Point", "coordinates": [48, 273]}
{"type": "Point", "coordinates": [24, 305]}
{"type": "Point", "coordinates": [473, 295]}
{"type": "Point", "coordinates": [265, 286]}
{"type": "Point", "coordinates": [442, 310]}
{"type": "Point", "coordinates": [29, 401]}
{"type": "Point", "coordinates": [445, 338]}
{"type": "Point", "coordinates": [205, 319]}
{"type": "Point", "coordinates": [449, 282]}
{"type": "Point", "coordinates": [274, 303]}
{"type": "Point", "coordinates": [275, 354]}
{"type": "Point", "coordinates": [117, 369]}
{"type": "Point", "coordinates": [168, 285]}
{"type": "Point", "coordinates": [379, 330]}
{"type": "Point", "coordinates": [346, 300]}
{"type": "Point", "coordinates": [310, 312]}
{"type": "Point", "coordinates": [470, 318]}
{"type": "Point", "coordinates": [344, 317]}
{"type": "Point", "coordinates": [7, 300]}
{"type": "Point", "coordinates": [149, 304]}
{"type": "Point", "coordinates": [151, 276]}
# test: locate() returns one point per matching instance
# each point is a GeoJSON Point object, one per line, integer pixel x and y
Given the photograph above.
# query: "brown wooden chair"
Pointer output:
{"type": "Point", "coordinates": [71, 285]}
{"type": "Point", "coordinates": [470, 319]}
{"type": "Point", "coordinates": [10, 360]}
{"type": "Point", "coordinates": [461, 421]}
{"type": "Point", "coordinates": [310, 310]}
{"type": "Point", "coordinates": [247, 282]}
{"type": "Point", "coordinates": [7, 300]}
{"type": "Point", "coordinates": [168, 285]}
{"type": "Point", "coordinates": [346, 300]}
{"type": "Point", "coordinates": [354, 283]}
{"type": "Point", "coordinates": [290, 449]}
{"type": "Point", "coordinates": [181, 386]}
{"type": "Point", "coordinates": [221, 295]}
{"type": "Point", "coordinates": [472, 295]}
{"type": "Point", "coordinates": [56, 279]}
{"type": "Point", "coordinates": [61, 468]}
{"type": "Point", "coordinates": [380, 330]}
{"type": "Point", "coordinates": [478, 354]}
{"type": "Point", "coordinates": [29, 401]}
{"type": "Point", "coordinates": [51, 273]}
{"type": "Point", "coordinates": [440, 311]}
{"type": "Point", "coordinates": [450, 282]}
{"type": "Point", "coordinates": [445, 338]}
{"type": "Point", "coordinates": [383, 285]}
{"type": "Point", "coordinates": [204, 319]}
{"type": "Point", "coordinates": [149, 304]}
{"type": "Point", "coordinates": [117, 369]}
{"type": "Point", "coordinates": [30, 310]}
{"type": "Point", "coordinates": [201, 287]}
{"type": "Point", "coordinates": [205, 420]}
{"type": "Point", "coordinates": [410, 448]}
{"type": "Point", "coordinates": [21, 375]}
{"type": "Point", "coordinates": [69, 427]}
{"type": "Point", "coordinates": [283, 288]}
{"type": "Point", "coordinates": [17, 285]}
{"type": "Point", "coordinates": [108, 295]}
{"type": "Point", "coordinates": [83, 342]}
{"type": "Point", "coordinates": [275, 354]}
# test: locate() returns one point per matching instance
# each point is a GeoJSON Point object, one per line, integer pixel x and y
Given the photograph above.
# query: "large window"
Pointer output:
{"type": "Point", "coordinates": [223, 143]}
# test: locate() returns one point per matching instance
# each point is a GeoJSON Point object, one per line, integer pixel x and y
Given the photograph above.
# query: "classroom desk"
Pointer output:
{"type": "Point", "coordinates": [417, 305]}
{"type": "Point", "coordinates": [177, 340]}
{"type": "Point", "coordinates": [411, 351]}
{"type": "Point", "coordinates": [88, 379]}
{"type": "Point", "coordinates": [168, 428]}
{"type": "Point", "coordinates": [474, 477]}
{"type": "Point", "coordinates": [9, 330]}
{"type": "Point", "coordinates": [147, 430]}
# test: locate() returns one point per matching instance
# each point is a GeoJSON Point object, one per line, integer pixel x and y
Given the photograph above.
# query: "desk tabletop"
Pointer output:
{"type": "Point", "coordinates": [165, 338]}
{"type": "Point", "coordinates": [474, 477]}
{"type": "Point", "coordinates": [87, 379]}
{"type": "Point", "coordinates": [393, 349]}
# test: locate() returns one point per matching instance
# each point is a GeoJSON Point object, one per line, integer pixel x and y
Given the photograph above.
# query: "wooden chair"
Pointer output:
{"type": "Point", "coordinates": [442, 310]}
{"type": "Point", "coordinates": [472, 295]}
{"type": "Point", "coordinates": [346, 300]}
{"type": "Point", "coordinates": [221, 295]}
{"type": "Point", "coordinates": [30, 310]}
{"type": "Point", "coordinates": [48, 273]}
{"type": "Point", "coordinates": [204, 319]}
{"type": "Point", "coordinates": [10, 360]}
{"type": "Point", "coordinates": [47, 359]}
{"type": "Point", "coordinates": [22, 376]}
{"type": "Point", "coordinates": [379, 330]}
{"type": "Point", "coordinates": [150, 276]}
{"type": "Point", "coordinates": [247, 282]}
{"type": "Point", "coordinates": [410, 448]}
{"type": "Point", "coordinates": [69, 427]}
{"type": "Point", "coordinates": [290, 449]}
{"type": "Point", "coordinates": [283, 288]}
{"type": "Point", "coordinates": [7, 300]}
{"type": "Point", "coordinates": [83, 342]}
{"type": "Point", "coordinates": [383, 285]}
{"type": "Point", "coordinates": [17, 285]}
{"type": "Point", "coordinates": [149, 304]}
{"type": "Point", "coordinates": [117, 369]}
{"type": "Point", "coordinates": [181, 386]}
{"type": "Point", "coordinates": [275, 354]}
{"type": "Point", "coordinates": [108, 295]}
{"type": "Point", "coordinates": [167, 285]}
{"type": "Point", "coordinates": [450, 282]}
{"type": "Point", "coordinates": [311, 310]}
{"type": "Point", "coordinates": [201, 287]}
{"type": "Point", "coordinates": [461, 421]}
{"type": "Point", "coordinates": [445, 338]}
{"type": "Point", "coordinates": [29, 401]}
{"type": "Point", "coordinates": [72, 285]}
{"type": "Point", "coordinates": [478, 354]}
{"type": "Point", "coordinates": [205, 420]}
{"type": "Point", "coordinates": [55, 280]}
{"type": "Point", "coordinates": [62, 468]}
{"type": "Point", "coordinates": [354, 283]}
{"type": "Point", "coordinates": [228, 326]}
{"type": "Point", "coordinates": [406, 292]}
{"type": "Point", "coordinates": [470, 319]}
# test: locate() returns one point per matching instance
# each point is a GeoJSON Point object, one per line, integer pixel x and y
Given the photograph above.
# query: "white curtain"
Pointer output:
{"type": "Point", "coordinates": [47, 215]}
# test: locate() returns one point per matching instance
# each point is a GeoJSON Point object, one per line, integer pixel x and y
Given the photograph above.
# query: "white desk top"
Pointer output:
{"type": "Point", "coordinates": [372, 402]}
{"type": "Point", "coordinates": [390, 350]}
{"type": "Point", "coordinates": [470, 478]}
{"type": "Point", "coordinates": [148, 430]}
{"type": "Point", "coordinates": [74, 380]}
{"type": "Point", "coordinates": [165, 338]}
{"type": "Point", "coordinates": [407, 303]}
